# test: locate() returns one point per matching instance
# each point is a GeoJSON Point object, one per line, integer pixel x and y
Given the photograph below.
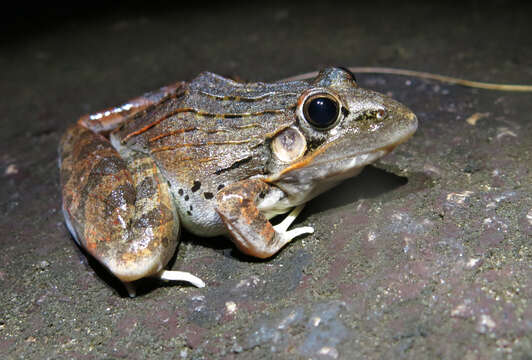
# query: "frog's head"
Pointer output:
{"type": "Point", "coordinates": [339, 128]}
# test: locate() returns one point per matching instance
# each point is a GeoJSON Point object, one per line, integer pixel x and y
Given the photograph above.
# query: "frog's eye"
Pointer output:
{"type": "Point", "coordinates": [321, 111]}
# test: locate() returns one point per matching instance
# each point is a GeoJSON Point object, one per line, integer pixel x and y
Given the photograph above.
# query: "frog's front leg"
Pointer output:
{"type": "Point", "coordinates": [249, 229]}
{"type": "Point", "coordinates": [118, 207]}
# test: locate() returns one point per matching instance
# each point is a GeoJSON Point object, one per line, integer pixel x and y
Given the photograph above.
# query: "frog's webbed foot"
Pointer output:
{"type": "Point", "coordinates": [250, 230]}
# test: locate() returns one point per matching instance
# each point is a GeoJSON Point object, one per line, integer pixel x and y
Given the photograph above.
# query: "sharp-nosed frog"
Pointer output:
{"type": "Point", "coordinates": [218, 157]}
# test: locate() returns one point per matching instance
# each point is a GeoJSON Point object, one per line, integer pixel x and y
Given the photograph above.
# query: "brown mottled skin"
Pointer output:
{"type": "Point", "coordinates": [109, 201]}
{"type": "Point", "coordinates": [250, 230]}
{"type": "Point", "coordinates": [200, 154]}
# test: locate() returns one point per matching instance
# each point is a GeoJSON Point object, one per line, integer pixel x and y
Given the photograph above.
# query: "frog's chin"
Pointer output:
{"type": "Point", "coordinates": [319, 176]}
{"type": "Point", "coordinates": [302, 182]}
{"type": "Point", "coordinates": [329, 165]}
{"type": "Point", "coordinates": [346, 165]}
{"type": "Point", "coordinates": [335, 164]}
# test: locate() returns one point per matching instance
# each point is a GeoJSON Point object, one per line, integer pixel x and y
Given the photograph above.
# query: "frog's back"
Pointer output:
{"type": "Point", "coordinates": [212, 125]}
{"type": "Point", "coordinates": [211, 133]}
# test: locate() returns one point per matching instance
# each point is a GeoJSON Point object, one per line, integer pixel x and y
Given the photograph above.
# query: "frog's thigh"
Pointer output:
{"type": "Point", "coordinates": [249, 229]}
{"type": "Point", "coordinates": [120, 212]}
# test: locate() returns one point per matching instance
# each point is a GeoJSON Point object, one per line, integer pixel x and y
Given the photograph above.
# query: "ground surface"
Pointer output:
{"type": "Point", "coordinates": [428, 254]}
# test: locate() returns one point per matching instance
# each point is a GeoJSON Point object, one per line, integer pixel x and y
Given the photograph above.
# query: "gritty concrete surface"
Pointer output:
{"type": "Point", "coordinates": [428, 254]}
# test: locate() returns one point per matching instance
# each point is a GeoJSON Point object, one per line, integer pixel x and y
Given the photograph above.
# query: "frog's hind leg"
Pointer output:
{"type": "Point", "coordinates": [118, 207]}
{"type": "Point", "coordinates": [250, 230]}
{"type": "Point", "coordinates": [110, 118]}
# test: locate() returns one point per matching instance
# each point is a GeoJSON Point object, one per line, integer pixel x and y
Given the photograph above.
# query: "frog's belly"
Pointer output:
{"type": "Point", "coordinates": [202, 221]}
{"type": "Point", "coordinates": [196, 214]}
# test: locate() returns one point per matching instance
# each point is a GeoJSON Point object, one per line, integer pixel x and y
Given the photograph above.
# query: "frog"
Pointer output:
{"type": "Point", "coordinates": [217, 157]}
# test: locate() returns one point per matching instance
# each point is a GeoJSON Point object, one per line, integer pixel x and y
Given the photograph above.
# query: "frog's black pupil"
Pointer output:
{"type": "Point", "coordinates": [322, 112]}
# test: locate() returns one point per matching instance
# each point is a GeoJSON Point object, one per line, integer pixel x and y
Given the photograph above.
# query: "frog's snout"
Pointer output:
{"type": "Point", "coordinates": [409, 121]}
{"type": "Point", "coordinates": [403, 119]}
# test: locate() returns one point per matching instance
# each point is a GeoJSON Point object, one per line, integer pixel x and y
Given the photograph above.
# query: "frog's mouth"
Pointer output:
{"type": "Point", "coordinates": [340, 159]}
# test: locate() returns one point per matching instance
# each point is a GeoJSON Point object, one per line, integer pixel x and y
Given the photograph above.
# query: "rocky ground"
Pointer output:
{"type": "Point", "coordinates": [427, 254]}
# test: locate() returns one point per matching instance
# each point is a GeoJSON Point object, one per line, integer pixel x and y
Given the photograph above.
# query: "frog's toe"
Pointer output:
{"type": "Point", "coordinates": [172, 275]}
{"type": "Point", "coordinates": [284, 235]}
{"type": "Point", "coordinates": [287, 236]}
{"type": "Point", "coordinates": [289, 219]}
{"type": "Point", "coordinates": [168, 275]}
